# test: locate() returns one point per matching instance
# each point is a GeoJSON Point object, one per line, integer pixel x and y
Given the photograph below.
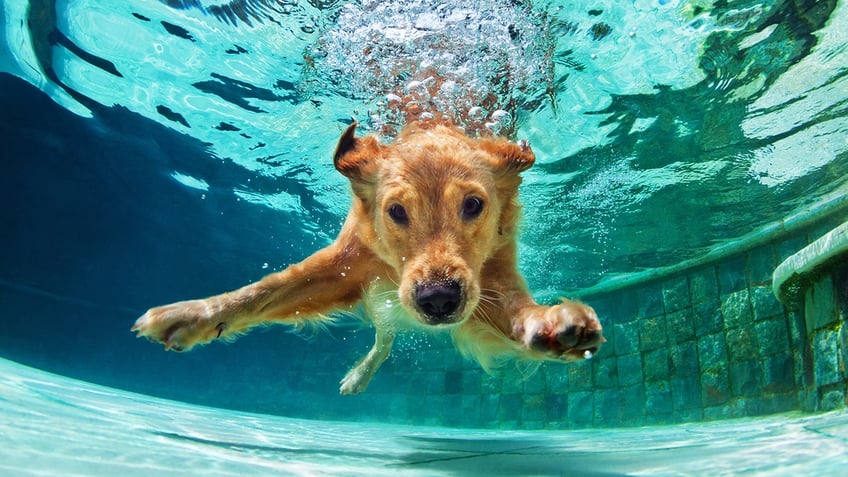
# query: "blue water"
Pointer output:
{"type": "Point", "coordinates": [56, 426]}
{"type": "Point", "coordinates": [156, 151]}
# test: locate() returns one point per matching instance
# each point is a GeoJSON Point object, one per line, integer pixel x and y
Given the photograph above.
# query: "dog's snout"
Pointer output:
{"type": "Point", "coordinates": [439, 301]}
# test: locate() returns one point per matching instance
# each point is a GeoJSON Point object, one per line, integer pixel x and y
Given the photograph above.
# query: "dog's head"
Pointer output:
{"type": "Point", "coordinates": [435, 205]}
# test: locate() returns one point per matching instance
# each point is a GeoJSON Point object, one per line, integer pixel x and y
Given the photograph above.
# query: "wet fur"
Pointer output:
{"type": "Point", "coordinates": [434, 174]}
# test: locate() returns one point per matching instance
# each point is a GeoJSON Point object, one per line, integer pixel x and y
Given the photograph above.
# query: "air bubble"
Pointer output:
{"type": "Point", "coordinates": [436, 59]}
{"type": "Point", "coordinates": [476, 113]}
{"type": "Point", "coordinates": [500, 115]}
{"type": "Point", "coordinates": [587, 354]}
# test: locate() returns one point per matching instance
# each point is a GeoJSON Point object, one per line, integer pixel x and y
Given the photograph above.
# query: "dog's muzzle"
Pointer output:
{"type": "Point", "coordinates": [439, 302]}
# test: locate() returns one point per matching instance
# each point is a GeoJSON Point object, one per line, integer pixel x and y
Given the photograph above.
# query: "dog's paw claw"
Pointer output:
{"type": "Point", "coordinates": [568, 331]}
{"type": "Point", "coordinates": [179, 326]}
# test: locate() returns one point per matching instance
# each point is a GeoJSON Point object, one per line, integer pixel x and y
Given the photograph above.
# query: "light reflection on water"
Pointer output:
{"type": "Point", "coordinates": [660, 127]}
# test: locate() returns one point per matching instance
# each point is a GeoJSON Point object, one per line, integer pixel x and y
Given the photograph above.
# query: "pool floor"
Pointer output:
{"type": "Point", "coordinates": [52, 425]}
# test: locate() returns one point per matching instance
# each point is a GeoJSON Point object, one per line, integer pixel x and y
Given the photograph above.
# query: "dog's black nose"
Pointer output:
{"type": "Point", "coordinates": [438, 301]}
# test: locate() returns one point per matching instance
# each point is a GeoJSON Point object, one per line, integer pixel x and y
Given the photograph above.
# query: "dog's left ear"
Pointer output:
{"type": "Point", "coordinates": [356, 158]}
{"type": "Point", "coordinates": [510, 158]}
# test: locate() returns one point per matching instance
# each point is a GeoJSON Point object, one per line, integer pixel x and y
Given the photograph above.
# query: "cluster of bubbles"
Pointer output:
{"type": "Point", "coordinates": [467, 62]}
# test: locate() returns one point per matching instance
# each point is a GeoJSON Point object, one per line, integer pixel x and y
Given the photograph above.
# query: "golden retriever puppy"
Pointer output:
{"type": "Point", "coordinates": [429, 242]}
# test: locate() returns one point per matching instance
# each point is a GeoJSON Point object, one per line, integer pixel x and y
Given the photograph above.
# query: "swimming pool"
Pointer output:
{"type": "Point", "coordinates": [54, 424]}
{"type": "Point", "coordinates": [157, 151]}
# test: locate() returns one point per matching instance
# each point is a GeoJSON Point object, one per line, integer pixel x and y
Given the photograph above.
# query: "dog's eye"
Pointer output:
{"type": "Point", "coordinates": [472, 207]}
{"type": "Point", "coordinates": [398, 214]}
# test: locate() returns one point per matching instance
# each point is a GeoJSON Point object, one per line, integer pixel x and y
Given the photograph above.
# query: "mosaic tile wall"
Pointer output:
{"type": "Point", "coordinates": [709, 343]}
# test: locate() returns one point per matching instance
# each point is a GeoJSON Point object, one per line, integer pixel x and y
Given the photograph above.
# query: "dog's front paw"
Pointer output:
{"type": "Point", "coordinates": [180, 326]}
{"type": "Point", "coordinates": [568, 331]}
{"type": "Point", "coordinates": [355, 381]}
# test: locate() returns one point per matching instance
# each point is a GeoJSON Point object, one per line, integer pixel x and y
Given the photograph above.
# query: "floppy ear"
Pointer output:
{"type": "Point", "coordinates": [356, 158]}
{"type": "Point", "coordinates": [510, 158]}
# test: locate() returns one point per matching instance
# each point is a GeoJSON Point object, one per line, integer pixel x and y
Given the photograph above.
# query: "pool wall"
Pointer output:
{"type": "Point", "coordinates": [707, 342]}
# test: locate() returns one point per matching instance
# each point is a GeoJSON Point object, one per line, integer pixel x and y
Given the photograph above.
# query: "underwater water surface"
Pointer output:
{"type": "Point", "coordinates": [154, 151]}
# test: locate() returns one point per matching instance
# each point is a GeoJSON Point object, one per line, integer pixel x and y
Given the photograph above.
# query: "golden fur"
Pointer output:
{"type": "Point", "coordinates": [429, 242]}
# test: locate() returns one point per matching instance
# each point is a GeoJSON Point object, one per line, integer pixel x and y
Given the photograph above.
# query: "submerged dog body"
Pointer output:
{"type": "Point", "coordinates": [429, 242]}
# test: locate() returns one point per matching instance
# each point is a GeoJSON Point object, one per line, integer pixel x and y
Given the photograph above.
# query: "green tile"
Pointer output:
{"type": "Point", "coordinates": [534, 408]}
{"type": "Point", "coordinates": [707, 318]}
{"type": "Point", "coordinates": [513, 380]}
{"type": "Point", "coordinates": [606, 373]}
{"type": "Point", "coordinates": [626, 338]}
{"type": "Point", "coordinates": [746, 379]}
{"type": "Point", "coordinates": [684, 359]}
{"type": "Point", "coordinates": [633, 404]}
{"type": "Point", "coordinates": [656, 365]}
{"type": "Point", "coordinates": [772, 404]}
{"type": "Point", "coordinates": [556, 378]}
{"type": "Point", "coordinates": [676, 294]}
{"type": "Point", "coordinates": [535, 383]}
{"type": "Point", "coordinates": [471, 380]}
{"type": "Point", "coordinates": [557, 407]}
{"type": "Point", "coordinates": [489, 407]}
{"type": "Point", "coordinates": [740, 344]}
{"type": "Point", "coordinates": [832, 399]}
{"type": "Point", "coordinates": [686, 393]}
{"type": "Point", "coordinates": [580, 376]}
{"type": "Point", "coordinates": [761, 265]}
{"type": "Point", "coordinates": [715, 388]}
{"type": "Point", "coordinates": [629, 369]}
{"type": "Point", "coordinates": [510, 406]}
{"type": "Point", "coordinates": [765, 305]}
{"type": "Point", "coordinates": [490, 383]}
{"type": "Point", "coordinates": [732, 275]}
{"type": "Point", "coordinates": [843, 346]}
{"type": "Point", "coordinates": [625, 308]}
{"type": "Point", "coordinates": [778, 374]}
{"type": "Point", "coordinates": [826, 357]}
{"type": "Point", "coordinates": [681, 325]}
{"type": "Point", "coordinates": [820, 306]}
{"type": "Point", "coordinates": [736, 309]}
{"type": "Point", "coordinates": [650, 299]}
{"type": "Point", "coordinates": [703, 286]}
{"type": "Point", "coordinates": [452, 382]}
{"type": "Point", "coordinates": [581, 408]}
{"type": "Point", "coordinates": [772, 336]}
{"type": "Point", "coordinates": [658, 399]}
{"type": "Point", "coordinates": [653, 333]}
{"type": "Point", "coordinates": [607, 408]}
{"type": "Point", "coordinates": [712, 352]}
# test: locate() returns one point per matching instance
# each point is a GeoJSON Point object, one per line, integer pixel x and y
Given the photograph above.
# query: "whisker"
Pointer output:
{"type": "Point", "coordinates": [493, 291]}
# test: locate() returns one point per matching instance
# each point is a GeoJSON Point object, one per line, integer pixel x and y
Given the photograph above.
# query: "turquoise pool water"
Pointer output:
{"type": "Point", "coordinates": [154, 151]}
{"type": "Point", "coordinates": [57, 426]}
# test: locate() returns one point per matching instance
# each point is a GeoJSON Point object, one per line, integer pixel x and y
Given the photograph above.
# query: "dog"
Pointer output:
{"type": "Point", "coordinates": [429, 243]}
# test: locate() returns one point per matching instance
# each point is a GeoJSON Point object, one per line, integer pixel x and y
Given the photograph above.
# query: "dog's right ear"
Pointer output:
{"type": "Point", "coordinates": [356, 158]}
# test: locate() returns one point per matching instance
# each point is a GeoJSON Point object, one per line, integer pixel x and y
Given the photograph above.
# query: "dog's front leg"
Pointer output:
{"type": "Point", "coordinates": [357, 379]}
{"type": "Point", "coordinates": [331, 279]}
